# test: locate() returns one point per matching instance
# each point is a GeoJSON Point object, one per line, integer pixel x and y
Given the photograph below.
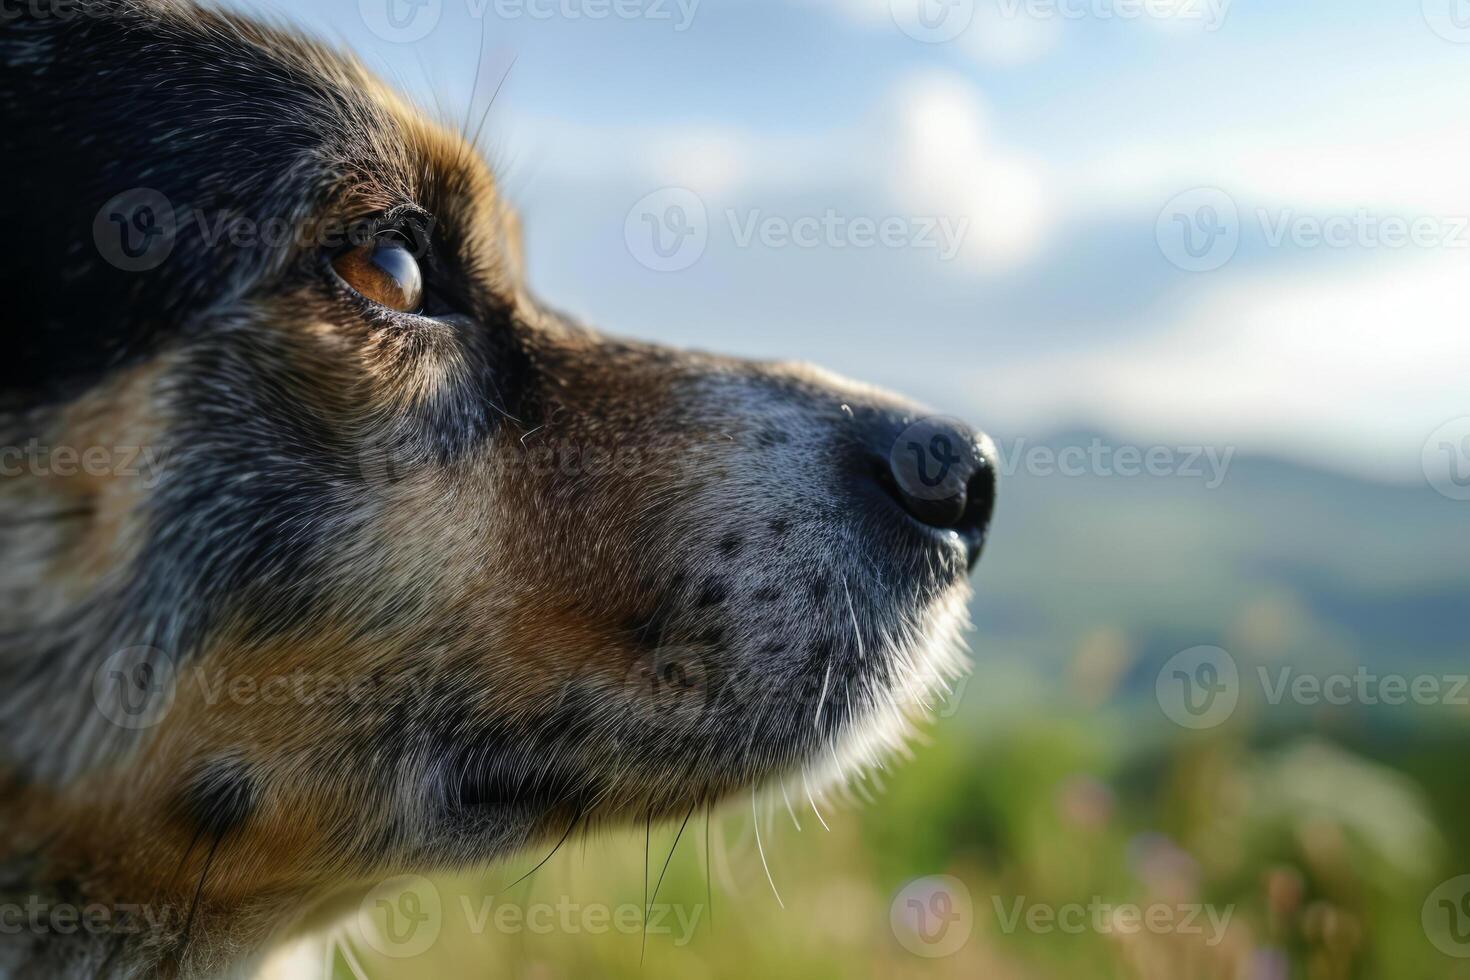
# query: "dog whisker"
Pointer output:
{"type": "Point", "coordinates": [820, 819]}
{"type": "Point", "coordinates": [857, 633]}
{"type": "Point", "coordinates": [792, 813]}
{"type": "Point", "coordinates": [822, 698]}
{"type": "Point", "coordinates": [709, 888]}
{"type": "Point", "coordinates": [755, 822]}
{"type": "Point", "coordinates": [345, 495]}
{"type": "Point", "coordinates": [474, 140]}
{"type": "Point", "coordinates": [647, 838]}
{"type": "Point", "coordinates": [663, 872]}
{"type": "Point", "coordinates": [565, 834]}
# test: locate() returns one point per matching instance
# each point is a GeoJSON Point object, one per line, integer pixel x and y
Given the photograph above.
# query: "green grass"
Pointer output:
{"type": "Point", "coordinates": [1058, 783]}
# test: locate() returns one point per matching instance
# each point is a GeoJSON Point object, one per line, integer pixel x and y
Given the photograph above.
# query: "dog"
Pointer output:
{"type": "Point", "coordinates": [331, 553]}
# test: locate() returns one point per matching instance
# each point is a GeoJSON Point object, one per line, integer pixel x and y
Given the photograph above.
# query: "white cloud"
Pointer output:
{"type": "Point", "coordinates": [1007, 33]}
{"type": "Point", "coordinates": [926, 152]}
{"type": "Point", "coordinates": [948, 164]}
{"type": "Point", "coordinates": [1000, 38]}
{"type": "Point", "coordinates": [1404, 174]}
{"type": "Point", "coordinates": [999, 33]}
{"type": "Point", "coordinates": [1353, 369]}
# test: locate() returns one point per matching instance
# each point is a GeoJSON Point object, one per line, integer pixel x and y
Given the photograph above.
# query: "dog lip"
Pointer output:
{"type": "Point", "coordinates": [971, 539]}
{"type": "Point", "coordinates": [974, 545]}
{"type": "Point", "coordinates": [971, 534]}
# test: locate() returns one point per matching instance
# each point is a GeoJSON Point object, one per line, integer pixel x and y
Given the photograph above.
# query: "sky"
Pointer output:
{"type": "Point", "coordinates": [1236, 222]}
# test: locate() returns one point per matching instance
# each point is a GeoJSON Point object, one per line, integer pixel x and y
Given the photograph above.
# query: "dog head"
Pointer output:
{"type": "Point", "coordinates": [331, 546]}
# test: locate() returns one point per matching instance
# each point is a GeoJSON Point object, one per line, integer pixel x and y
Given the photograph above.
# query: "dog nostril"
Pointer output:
{"type": "Point", "coordinates": [980, 496]}
{"type": "Point", "coordinates": [936, 511]}
{"type": "Point", "coordinates": [938, 473]}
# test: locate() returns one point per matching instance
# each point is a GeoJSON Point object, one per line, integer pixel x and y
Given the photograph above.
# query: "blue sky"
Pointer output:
{"type": "Point", "coordinates": [1064, 141]}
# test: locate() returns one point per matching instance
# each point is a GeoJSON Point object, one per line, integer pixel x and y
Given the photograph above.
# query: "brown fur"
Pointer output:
{"type": "Point", "coordinates": [468, 539]}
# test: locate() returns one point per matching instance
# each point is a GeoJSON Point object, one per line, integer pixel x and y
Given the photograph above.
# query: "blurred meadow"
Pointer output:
{"type": "Point", "coordinates": [1314, 833]}
{"type": "Point", "coordinates": [1218, 724]}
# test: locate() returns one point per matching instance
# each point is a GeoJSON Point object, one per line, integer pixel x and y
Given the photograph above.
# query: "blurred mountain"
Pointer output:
{"type": "Point", "coordinates": [1279, 563]}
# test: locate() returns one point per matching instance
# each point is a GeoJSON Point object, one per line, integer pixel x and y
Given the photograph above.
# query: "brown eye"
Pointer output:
{"type": "Point", "coordinates": [385, 272]}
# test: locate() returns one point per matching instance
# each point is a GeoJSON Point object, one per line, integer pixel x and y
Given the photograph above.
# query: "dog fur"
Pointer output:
{"type": "Point", "coordinates": [410, 593]}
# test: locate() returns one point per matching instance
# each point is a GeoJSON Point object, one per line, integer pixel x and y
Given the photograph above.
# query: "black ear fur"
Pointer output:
{"type": "Point", "coordinates": [124, 159]}
{"type": "Point", "coordinates": [67, 312]}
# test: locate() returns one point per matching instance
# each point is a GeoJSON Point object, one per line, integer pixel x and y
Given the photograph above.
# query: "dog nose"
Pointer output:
{"type": "Point", "coordinates": [942, 473]}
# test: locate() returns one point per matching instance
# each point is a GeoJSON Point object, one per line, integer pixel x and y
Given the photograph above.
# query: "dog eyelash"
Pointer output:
{"type": "Point", "coordinates": [412, 228]}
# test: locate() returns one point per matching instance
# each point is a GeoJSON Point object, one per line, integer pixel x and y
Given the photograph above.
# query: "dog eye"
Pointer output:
{"type": "Point", "coordinates": [385, 272]}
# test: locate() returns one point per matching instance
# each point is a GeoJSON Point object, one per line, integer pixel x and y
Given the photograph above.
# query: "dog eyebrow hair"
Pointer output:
{"type": "Point", "coordinates": [407, 209]}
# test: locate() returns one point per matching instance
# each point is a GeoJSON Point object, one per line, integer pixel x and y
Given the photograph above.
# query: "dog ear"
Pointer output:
{"type": "Point", "coordinates": [47, 261]}
{"type": "Point", "coordinates": [57, 14]}
{"type": "Point", "coordinates": [108, 163]}
{"type": "Point", "coordinates": [515, 252]}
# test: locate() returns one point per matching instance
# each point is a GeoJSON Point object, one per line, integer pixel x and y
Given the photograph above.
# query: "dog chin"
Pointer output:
{"type": "Point", "coordinates": [926, 663]}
